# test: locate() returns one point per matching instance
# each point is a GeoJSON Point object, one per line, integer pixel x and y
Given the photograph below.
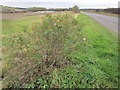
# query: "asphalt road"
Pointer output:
{"type": "Point", "coordinates": [108, 21]}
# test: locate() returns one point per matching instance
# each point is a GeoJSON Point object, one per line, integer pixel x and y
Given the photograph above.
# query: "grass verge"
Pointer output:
{"type": "Point", "coordinates": [101, 56]}
{"type": "Point", "coordinates": [93, 64]}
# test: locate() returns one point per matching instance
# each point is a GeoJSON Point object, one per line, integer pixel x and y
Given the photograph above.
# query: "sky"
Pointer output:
{"type": "Point", "coordinates": [61, 3]}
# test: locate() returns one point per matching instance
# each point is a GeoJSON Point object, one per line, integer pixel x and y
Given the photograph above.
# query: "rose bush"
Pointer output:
{"type": "Point", "coordinates": [43, 48]}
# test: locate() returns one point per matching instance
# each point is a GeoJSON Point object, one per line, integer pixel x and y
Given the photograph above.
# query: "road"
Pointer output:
{"type": "Point", "coordinates": [108, 21]}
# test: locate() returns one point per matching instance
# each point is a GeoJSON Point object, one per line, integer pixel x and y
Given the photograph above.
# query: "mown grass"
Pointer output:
{"type": "Point", "coordinates": [101, 56]}
{"type": "Point", "coordinates": [18, 25]}
{"type": "Point", "coordinates": [94, 62]}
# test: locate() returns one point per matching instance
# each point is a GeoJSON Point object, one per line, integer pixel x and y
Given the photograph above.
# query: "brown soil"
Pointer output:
{"type": "Point", "coordinates": [18, 15]}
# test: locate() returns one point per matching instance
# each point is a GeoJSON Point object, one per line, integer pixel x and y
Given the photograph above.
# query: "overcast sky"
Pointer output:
{"type": "Point", "coordinates": [61, 3]}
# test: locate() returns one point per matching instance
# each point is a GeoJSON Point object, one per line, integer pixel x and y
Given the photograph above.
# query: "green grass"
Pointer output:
{"type": "Point", "coordinates": [100, 56]}
{"type": "Point", "coordinates": [18, 25]}
{"type": "Point", "coordinates": [95, 62]}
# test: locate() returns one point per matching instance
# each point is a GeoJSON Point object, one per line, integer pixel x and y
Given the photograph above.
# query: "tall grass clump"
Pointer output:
{"type": "Point", "coordinates": [39, 51]}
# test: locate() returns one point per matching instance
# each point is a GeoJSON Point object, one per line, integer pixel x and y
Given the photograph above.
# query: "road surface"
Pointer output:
{"type": "Point", "coordinates": [108, 21]}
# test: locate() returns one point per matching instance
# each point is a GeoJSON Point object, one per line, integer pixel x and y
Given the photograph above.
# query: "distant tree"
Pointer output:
{"type": "Point", "coordinates": [70, 9]}
{"type": "Point", "coordinates": [35, 9]}
{"type": "Point", "coordinates": [112, 10]}
{"type": "Point", "coordinates": [58, 9]}
{"type": "Point", "coordinates": [75, 9]}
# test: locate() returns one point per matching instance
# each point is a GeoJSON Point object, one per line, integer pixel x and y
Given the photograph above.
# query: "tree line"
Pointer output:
{"type": "Point", "coordinates": [5, 9]}
{"type": "Point", "coordinates": [36, 9]}
{"type": "Point", "coordinates": [108, 10]}
{"type": "Point", "coordinates": [113, 10]}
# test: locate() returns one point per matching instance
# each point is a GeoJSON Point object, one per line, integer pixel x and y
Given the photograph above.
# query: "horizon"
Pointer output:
{"type": "Point", "coordinates": [53, 8]}
{"type": "Point", "coordinates": [83, 4]}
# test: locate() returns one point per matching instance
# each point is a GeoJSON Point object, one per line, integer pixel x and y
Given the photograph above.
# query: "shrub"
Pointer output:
{"type": "Point", "coordinates": [40, 50]}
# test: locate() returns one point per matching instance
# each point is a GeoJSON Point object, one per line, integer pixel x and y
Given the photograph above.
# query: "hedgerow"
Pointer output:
{"type": "Point", "coordinates": [32, 58]}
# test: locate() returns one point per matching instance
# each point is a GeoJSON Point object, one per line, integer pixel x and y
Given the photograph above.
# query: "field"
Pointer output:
{"type": "Point", "coordinates": [6, 16]}
{"type": "Point", "coordinates": [85, 58]}
{"type": "Point", "coordinates": [18, 25]}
